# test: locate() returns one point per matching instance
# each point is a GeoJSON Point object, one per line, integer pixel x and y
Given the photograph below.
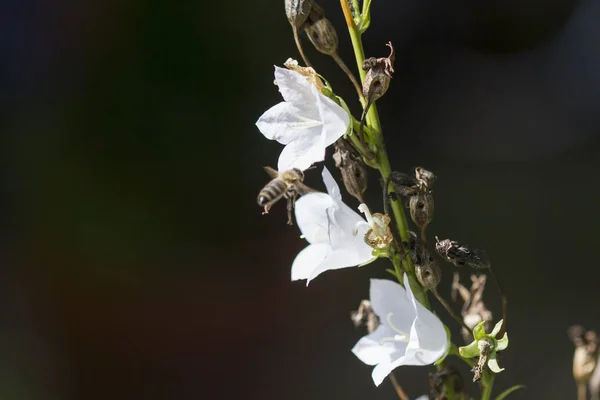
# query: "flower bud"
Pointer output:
{"type": "Point", "coordinates": [322, 34]}
{"type": "Point", "coordinates": [352, 167]}
{"type": "Point", "coordinates": [421, 209]}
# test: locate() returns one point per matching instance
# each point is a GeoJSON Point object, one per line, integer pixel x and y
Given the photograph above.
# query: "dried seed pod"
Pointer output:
{"type": "Point", "coordinates": [377, 80]}
{"type": "Point", "coordinates": [461, 255]}
{"type": "Point", "coordinates": [428, 275]}
{"type": "Point", "coordinates": [421, 209]}
{"type": "Point", "coordinates": [322, 34]}
{"type": "Point", "coordinates": [404, 184]}
{"type": "Point", "coordinates": [297, 12]}
{"type": "Point", "coordinates": [352, 168]}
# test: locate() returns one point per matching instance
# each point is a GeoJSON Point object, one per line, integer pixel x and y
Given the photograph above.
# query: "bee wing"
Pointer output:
{"type": "Point", "coordinates": [271, 172]}
{"type": "Point", "coordinates": [301, 189]}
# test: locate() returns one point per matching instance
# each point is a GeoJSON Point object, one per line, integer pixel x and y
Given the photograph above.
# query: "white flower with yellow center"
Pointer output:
{"type": "Point", "coordinates": [306, 122]}
{"type": "Point", "coordinates": [336, 233]}
{"type": "Point", "coordinates": [408, 334]}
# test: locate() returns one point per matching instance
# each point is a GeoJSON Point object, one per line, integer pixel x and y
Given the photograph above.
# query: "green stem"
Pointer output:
{"type": "Point", "coordinates": [488, 383]}
{"type": "Point", "coordinates": [383, 163]}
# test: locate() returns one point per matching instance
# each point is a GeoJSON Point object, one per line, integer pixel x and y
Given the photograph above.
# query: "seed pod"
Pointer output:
{"type": "Point", "coordinates": [352, 167]}
{"type": "Point", "coordinates": [428, 275]}
{"type": "Point", "coordinates": [421, 209]}
{"type": "Point", "coordinates": [297, 11]}
{"type": "Point", "coordinates": [322, 34]}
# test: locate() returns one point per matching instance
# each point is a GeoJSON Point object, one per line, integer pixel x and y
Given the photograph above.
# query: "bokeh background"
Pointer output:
{"type": "Point", "coordinates": [135, 262]}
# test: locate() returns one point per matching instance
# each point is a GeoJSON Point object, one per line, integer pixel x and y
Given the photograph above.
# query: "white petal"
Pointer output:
{"type": "Point", "coordinates": [307, 260]}
{"type": "Point", "coordinates": [332, 187]}
{"type": "Point", "coordinates": [381, 371]}
{"type": "Point", "coordinates": [389, 300]}
{"type": "Point", "coordinates": [428, 338]}
{"type": "Point", "coordinates": [275, 123]}
{"type": "Point", "coordinates": [297, 91]}
{"type": "Point", "coordinates": [335, 119]}
{"type": "Point", "coordinates": [374, 348]}
{"type": "Point", "coordinates": [301, 153]}
{"type": "Point", "coordinates": [311, 216]}
{"type": "Point", "coordinates": [338, 259]}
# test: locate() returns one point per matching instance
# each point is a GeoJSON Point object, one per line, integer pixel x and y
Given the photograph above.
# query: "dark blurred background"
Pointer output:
{"type": "Point", "coordinates": [135, 262]}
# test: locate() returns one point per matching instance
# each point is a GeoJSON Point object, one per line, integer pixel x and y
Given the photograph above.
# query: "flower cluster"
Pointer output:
{"type": "Point", "coordinates": [402, 331]}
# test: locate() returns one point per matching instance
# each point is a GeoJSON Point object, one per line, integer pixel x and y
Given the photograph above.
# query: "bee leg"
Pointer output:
{"type": "Point", "coordinates": [267, 208]}
{"type": "Point", "coordinates": [290, 205]}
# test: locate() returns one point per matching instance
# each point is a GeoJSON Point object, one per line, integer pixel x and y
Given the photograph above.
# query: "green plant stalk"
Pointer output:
{"type": "Point", "coordinates": [383, 162]}
{"type": "Point", "coordinates": [487, 382]}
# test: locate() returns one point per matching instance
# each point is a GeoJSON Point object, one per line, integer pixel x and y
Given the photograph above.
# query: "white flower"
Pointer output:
{"type": "Point", "coordinates": [306, 122]}
{"type": "Point", "coordinates": [336, 233]}
{"type": "Point", "coordinates": [408, 334]}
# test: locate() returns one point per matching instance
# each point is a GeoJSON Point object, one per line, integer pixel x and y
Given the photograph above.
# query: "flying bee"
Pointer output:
{"type": "Point", "coordinates": [287, 184]}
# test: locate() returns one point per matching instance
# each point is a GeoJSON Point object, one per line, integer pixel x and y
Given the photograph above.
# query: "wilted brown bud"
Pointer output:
{"type": "Point", "coordinates": [322, 34]}
{"type": "Point", "coordinates": [421, 209]}
{"type": "Point", "coordinates": [365, 316]}
{"type": "Point", "coordinates": [297, 11]}
{"type": "Point", "coordinates": [352, 167]}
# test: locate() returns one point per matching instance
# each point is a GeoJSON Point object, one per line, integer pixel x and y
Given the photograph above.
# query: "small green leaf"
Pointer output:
{"type": "Point", "coordinates": [365, 21]}
{"type": "Point", "coordinates": [469, 351]}
{"type": "Point", "coordinates": [493, 363]}
{"type": "Point", "coordinates": [497, 328]}
{"type": "Point", "coordinates": [391, 271]}
{"type": "Point", "coordinates": [508, 391]}
{"type": "Point", "coordinates": [502, 344]}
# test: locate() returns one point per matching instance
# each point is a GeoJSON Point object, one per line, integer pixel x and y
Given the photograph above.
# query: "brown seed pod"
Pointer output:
{"type": "Point", "coordinates": [322, 34]}
{"type": "Point", "coordinates": [425, 178]}
{"type": "Point", "coordinates": [428, 275]}
{"type": "Point", "coordinates": [421, 209]}
{"type": "Point", "coordinates": [297, 12]}
{"type": "Point", "coordinates": [352, 167]}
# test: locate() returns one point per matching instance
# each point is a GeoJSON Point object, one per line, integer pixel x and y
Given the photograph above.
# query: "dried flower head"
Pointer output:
{"type": "Point", "coordinates": [425, 178]}
{"type": "Point", "coordinates": [379, 236]}
{"type": "Point", "coordinates": [474, 310]}
{"type": "Point", "coordinates": [586, 352]}
{"type": "Point", "coordinates": [308, 72]}
{"type": "Point", "coordinates": [352, 168]}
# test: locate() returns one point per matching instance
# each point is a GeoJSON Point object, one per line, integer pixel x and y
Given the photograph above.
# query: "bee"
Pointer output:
{"type": "Point", "coordinates": [287, 184]}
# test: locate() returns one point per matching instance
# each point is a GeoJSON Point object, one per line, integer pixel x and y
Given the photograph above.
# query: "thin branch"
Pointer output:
{"type": "Point", "coordinates": [399, 391]}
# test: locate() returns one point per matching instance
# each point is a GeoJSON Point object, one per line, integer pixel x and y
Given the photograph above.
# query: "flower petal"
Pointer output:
{"type": "Point", "coordinates": [493, 363]}
{"type": "Point", "coordinates": [502, 344]}
{"type": "Point", "coordinates": [312, 218]}
{"type": "Point", "coordinates": [338, 259]}
{"type": "Point", "coordinates": [332, 187]}
{"type": "Point", "coordinates": [274, 124]}
{"type": "Point", "coordinates": [307, 260]}
{"type": "Point", "coordinates": [297, 91]}
{"type": "Point", "coordinates": [305, 150]}
{"type": "Point", "coordinates": [428, 338]}
{"type": "Point", "coordinates": [335, 119]}
{"type": "Point", "coordinates": [374, 348]}
{"type": "Point", "coordinates": [389, 300]}
{"type": "Point", "coordinates": [381, 371]}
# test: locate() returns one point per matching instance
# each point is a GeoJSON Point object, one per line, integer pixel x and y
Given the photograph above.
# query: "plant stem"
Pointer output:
{"type": "Point", "coordinates": [487, 384]}
{"type": "Point", "coordinates": [383, 163]}
{"type": "Point", "coordinates": [399, 391]}
{"type": "Point", "coordinates": [581, 391]}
